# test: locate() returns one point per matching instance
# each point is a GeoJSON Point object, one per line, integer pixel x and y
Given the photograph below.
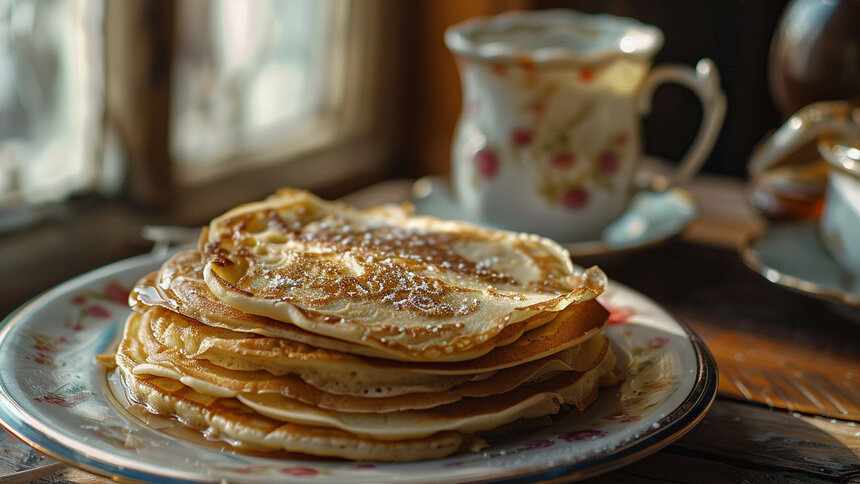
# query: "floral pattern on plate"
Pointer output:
{"type": "Point", "coordinates": [55, 395]}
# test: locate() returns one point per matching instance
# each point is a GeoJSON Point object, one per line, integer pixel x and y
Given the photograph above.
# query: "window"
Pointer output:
{"type": "Point", "coordinates": [51, 73]}
{"type": "Point", "coordinates": [247, 73]}
{"type": "Point", "coordinates": [163, 97]}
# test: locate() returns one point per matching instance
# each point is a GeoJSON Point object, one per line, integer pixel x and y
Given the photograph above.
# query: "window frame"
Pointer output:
{"type": "Point", "coordinates": [356, 136]}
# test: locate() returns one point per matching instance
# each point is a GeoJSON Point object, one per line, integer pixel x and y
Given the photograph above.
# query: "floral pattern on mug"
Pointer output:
{"type": "Point", "coordinates": [575, 198]}
{"type": "Point", "coordinates": [487, 162]}
{"type": "Point", "coordinates": [563, 160]}
{"type": "Point", "coordinates": [565, 183]}
{"type": "Point", "coordinates": [521, 136]}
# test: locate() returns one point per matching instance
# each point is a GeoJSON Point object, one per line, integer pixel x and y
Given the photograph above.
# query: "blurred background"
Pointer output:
{"type": "Point", "coordinates": [117, 114]}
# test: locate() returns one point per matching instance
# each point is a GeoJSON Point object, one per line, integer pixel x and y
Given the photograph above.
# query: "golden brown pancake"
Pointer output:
{"type": "Point", "coordinates": [179, 286]}
{"type": "Point", "coordinates": [212, 379]}
{"type": "Point", "coordinates": [416, 287]}
{"type": "Point", "coordinates": [231, 420]}
{"type": "Point", "coordinates": [311, 326]}
{"type": "Point", "coordinates": [279, 355]}
{"type": "Point", "coordinates": [354, 375]}
{"type": "Point", "coordinates": [466, 414]}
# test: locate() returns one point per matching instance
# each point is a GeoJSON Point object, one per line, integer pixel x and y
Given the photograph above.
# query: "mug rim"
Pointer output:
{"type": "Point", "coordinates": [645, 39]}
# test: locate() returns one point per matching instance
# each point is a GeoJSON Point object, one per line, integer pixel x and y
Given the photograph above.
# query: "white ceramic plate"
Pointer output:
{"type": "Point", "coordinates": [791, 254]}
{"type": "Point", "coordinates": [652, 218]}
{"type": "Point", "coordinates": [54, 396]}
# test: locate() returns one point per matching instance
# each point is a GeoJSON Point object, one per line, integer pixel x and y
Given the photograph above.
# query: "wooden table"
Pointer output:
{"type": "Point", "coordinates": [734, 310]}
{"type": "Point", "coordinates": [700, 278]}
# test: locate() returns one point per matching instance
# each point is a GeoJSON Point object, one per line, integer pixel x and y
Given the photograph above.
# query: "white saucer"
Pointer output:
{"type": "Point", "coordinates": [791, 255]}
{"type": "Point", "coordinates": [653, 217]}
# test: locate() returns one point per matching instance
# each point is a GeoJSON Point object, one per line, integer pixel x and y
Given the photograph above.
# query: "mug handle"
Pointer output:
{"type": "Point", "coordinates": [704, 81]}
{"type": "Point", "coordinates": [825, 118]}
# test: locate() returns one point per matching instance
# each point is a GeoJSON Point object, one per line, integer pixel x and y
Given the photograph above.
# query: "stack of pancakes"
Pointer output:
{"type": "Point", "coordinates": [311, 326]}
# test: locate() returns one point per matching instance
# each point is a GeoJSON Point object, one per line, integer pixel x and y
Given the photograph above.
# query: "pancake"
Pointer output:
{"type": "Point", "coordinates": [179, 286]}
{"type": "Point", "coordinates": [210, 379]}
{"type": "Point", "coordinates": [355, 375]}
{"type": "Point", "coordinates": [344, 373]}
{"type": "Point", "coordinates": [310, 326]}
{"type": "Point", "coordinates": [466, 415]}
{"type": "Point", "coordinates": [229, 419]}
{"type": "Point", "coordinates": [417, 287]}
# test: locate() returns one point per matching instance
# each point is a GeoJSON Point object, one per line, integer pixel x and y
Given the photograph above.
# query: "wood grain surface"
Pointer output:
{"type": "Point", "coordinates": [776, 341]}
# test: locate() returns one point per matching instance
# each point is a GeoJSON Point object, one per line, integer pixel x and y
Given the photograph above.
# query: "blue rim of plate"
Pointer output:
{"type": "Point", "coordinates": [674, 425]}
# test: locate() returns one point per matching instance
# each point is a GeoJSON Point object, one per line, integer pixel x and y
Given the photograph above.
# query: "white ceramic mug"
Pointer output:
{"type": "Point", "coordinates": [835, 126]}
{"type": "Point", "coordinates": [548, 139]}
